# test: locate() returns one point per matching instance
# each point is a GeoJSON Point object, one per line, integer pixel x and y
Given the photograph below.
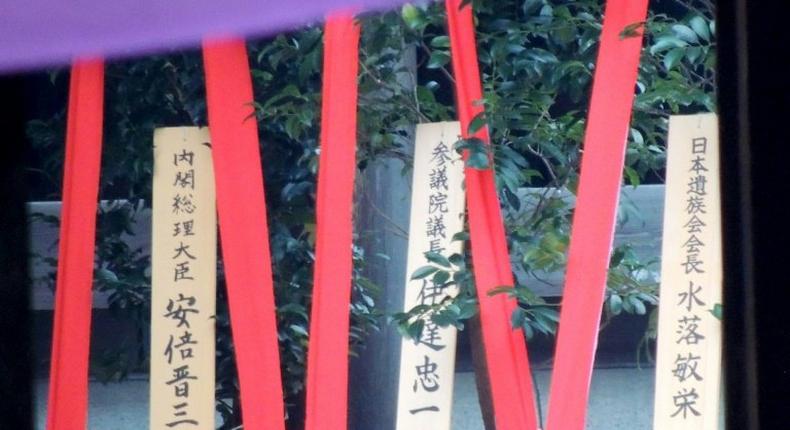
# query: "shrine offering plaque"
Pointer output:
{"type": "Point", "coordinates": [183, 280]}
{"type": "Point", "coordinates": [427, 366]}
{"type": "Point", "coordinates": [688, 367]}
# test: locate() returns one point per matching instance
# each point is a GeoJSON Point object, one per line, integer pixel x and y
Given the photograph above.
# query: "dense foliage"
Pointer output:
{"type": "Point", "coordinates": [537, 59]}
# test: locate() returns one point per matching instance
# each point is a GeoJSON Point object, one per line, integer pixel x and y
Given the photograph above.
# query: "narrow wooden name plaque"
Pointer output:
{"type": "Point", "coordinates": [688, 367]}
{"type": "Point", "coordinates": [183, 280]}
{"type": "Point", "coordinates": [427, 366]}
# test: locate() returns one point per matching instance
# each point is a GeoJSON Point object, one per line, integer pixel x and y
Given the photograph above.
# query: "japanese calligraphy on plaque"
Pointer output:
{"type": "Point", "coordinates": [688, 367]}
{"type": "Point", "coordinates": [183, 278]}
{"type": "Point", "coordinates": [427, 365]}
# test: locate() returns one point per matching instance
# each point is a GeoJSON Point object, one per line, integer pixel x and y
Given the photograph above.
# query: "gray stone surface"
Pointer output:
{"type": "Point", "coordinates": [619, 399]}
{"type": "Point", "coordinates": [118, 406]}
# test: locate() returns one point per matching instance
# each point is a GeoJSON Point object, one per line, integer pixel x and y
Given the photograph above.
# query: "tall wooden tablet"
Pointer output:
{"type": "Point", "coordinates": [183, 280]}
{"type": "Point", "coordinates": [688, 368]}
{"type": "Point", "coordinates": [427, 365]}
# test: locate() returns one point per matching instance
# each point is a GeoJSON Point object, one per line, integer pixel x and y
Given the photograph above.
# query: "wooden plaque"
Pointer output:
{"type": "Point", "coordinates": [183, 280]}
{"type": "Point", "coordinates": [688, 368]}
{"type": "Point", "coordinates": [427, 366]}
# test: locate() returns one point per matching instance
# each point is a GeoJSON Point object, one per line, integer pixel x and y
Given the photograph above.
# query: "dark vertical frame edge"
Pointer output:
{"type": "Point", "coordinates": [752, 96]}
{"type": "Point", "coordinates": [15, 354]}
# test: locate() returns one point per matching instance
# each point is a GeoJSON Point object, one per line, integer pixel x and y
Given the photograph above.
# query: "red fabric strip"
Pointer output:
{"type": "Point", "coordinates": [327, 360]}
{"type": "Point", "coordinates": [244, 232]}
{"type": "Point", "coordinates": [68, 379]}
{"type": "Point", "coordinates": [505, 348]}
{"type": "Point", "coordinates": [595, 214]}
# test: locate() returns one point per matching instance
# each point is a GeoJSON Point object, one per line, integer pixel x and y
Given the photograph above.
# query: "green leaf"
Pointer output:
{"type": "Point", "coordinates": [717, 311]}
{"type": "Point", "coordinates": [665, 43]}
{"type": "Point", "coordinates": [517, 318]}
{"type": "Point", "coordinates": [440, 42]}
{"type": "Point", "coordinates": [435, 257]}
{"type": "Point", "coordinates": [512, 199]}
{"type": "Point", "coordinates": [632, 30]}
{"type": "Point", "coordinates": [106, 275]}
{"type": "Point", "coordinates": [438, 59]}
{"type": "Point", "coordinates": [440, 277]}
{"type": "Point", "coordinates": [673, 57]}
{"type": "Point", "coordinates": [298, 329]}
{"type": "Point", "coordinates": [412, 16]}
{"type": "Point", "coordinates": [514, 48]}
{"type": "Point", "coordinates": [531, 6]}
{"type": "Point", "coordinates": [693, 53]}
{"type": "Point", "coordinates": [683, 32]}
{"type": "Point", "coordinates": [461, 236]}
{"type": "Point", "coordinates": [478, 160]}
{"type": "Point", "coordinates": [456, 260]}
{"type": "Point", "coordinates": [425, 95]}
{"type": "Point", "coordinates": [415, 329]}
{"type": "Point", "coordinates": [615, 304]}
{"type": "Point", "coordinates": [468, 309]}
{"type": "Point", "coordinates": [637, 137]}
{"type": "Point", "coordinates": [478, 152]}
{"type": "Point", "coordinates": [633, 176]}
{"type": "Point", "coordinates": [617, 257]}
{"type": "Point", "coordinates": [478, 122]}
{"type": "Point", "coordinates": [424, 272]}
{"type": "Point", "coordinates": [700, 27]}
{"type": "Point", "coordinates": [527, 296]}
{"type": "Point", "coordinates": [501, 289]}
{"type": "Point", "coordinates": [639, 307]}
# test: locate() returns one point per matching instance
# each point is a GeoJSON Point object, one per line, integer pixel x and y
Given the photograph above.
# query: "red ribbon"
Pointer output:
{"type": "Point", "coordinates": [68, 386]}
{"type": "Point", "coordinates": [244, 233]}
{"type": "Point", "coordinates": [505, 348]}
{"type": "Point", "coordinates": [327, 361]}
{"type": "Point", "coordinates": [595, 215]}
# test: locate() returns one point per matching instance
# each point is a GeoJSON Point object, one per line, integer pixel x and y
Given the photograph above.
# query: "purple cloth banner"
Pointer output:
{"type": "Point", "coordinates": [41, 33]}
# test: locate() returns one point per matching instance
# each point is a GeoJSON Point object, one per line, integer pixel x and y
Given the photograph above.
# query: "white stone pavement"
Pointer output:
{"type": "Point", "coordinates": [619, 399]}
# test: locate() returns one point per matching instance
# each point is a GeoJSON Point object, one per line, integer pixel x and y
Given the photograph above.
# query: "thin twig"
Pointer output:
{"type": "Point", "coordinates": [443, 70]}
{"type": "Point", "coordinates": [545, 163]}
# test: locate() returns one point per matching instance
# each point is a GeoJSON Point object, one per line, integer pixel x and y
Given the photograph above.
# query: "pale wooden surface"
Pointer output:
{"type": "Point", "coordinates": [197, 253]}
{"type": "Point", "coordinates": [413, 356]}
{"type": "Point", "coordinates": [686, 293]}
